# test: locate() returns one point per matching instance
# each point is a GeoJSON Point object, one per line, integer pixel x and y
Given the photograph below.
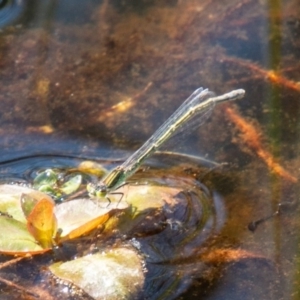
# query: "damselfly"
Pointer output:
{"type": "Point", "coordinates": [200, 103]}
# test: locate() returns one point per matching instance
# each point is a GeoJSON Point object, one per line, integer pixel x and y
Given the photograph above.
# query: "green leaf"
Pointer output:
{"type": "Point", "coordinates": [49, 190]}
{"type": "Point", "coordinates": [27, 203]}
{"type": "Point", "coordinates": [48, 177]}
{"type": "Point", "coordinates": [10, 200]}
{"type": "Point", "coordinates": [75, 218]}
{"type": "Point", "coordinates": [15, 238]}
{"type": "Point", "coordinates": [72, 184]}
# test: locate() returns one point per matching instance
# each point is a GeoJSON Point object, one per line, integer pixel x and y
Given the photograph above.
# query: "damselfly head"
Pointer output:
{"type": "Point", "coordinates": [98, 190]}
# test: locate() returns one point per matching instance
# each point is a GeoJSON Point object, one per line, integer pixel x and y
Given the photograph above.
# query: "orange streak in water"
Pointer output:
{"type": "Point", "coordinates": [252, 138]}
{"type": "Point", "coordinates": [271, 75]}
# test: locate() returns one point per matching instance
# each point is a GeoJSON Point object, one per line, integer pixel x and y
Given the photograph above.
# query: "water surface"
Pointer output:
{"type": "Point", "coordinates": [96, 78]}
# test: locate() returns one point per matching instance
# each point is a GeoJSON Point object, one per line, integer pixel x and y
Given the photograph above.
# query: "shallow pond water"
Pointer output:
{"type": "Point", "coordinates": [94, 79]}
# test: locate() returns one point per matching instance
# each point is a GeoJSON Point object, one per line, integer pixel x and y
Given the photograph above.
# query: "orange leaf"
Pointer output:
{"type": "Point", "coordinates": [41, 222]}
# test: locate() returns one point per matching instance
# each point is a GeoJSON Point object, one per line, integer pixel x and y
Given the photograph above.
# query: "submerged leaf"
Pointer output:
{"type": "Point", "coordinates": [144, 197]}
{"type": "Point", "coordinates": [80, 216]}
{"type": "Point", "coordinates": [111, 275]}
{"type": "Point", "coordinates": [91, 167]}
{"type": "Point", "coordinates": [144, 200]}
{"type": "Point", "coordinates": [49, 190]}
{"type": "Point", "coordinates": [72, 184]}
{"type": "Point", "coordinates": [48, 177]}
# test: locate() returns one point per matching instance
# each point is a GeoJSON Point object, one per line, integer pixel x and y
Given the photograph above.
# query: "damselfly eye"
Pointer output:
{"type": "Point", "coordinates": [101, 188]}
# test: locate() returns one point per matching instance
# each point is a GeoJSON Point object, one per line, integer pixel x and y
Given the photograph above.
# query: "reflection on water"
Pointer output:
{"type": "Point", "coordinates": [77, 79]}
{"type": "Point", "coordinates": [10, 11]}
